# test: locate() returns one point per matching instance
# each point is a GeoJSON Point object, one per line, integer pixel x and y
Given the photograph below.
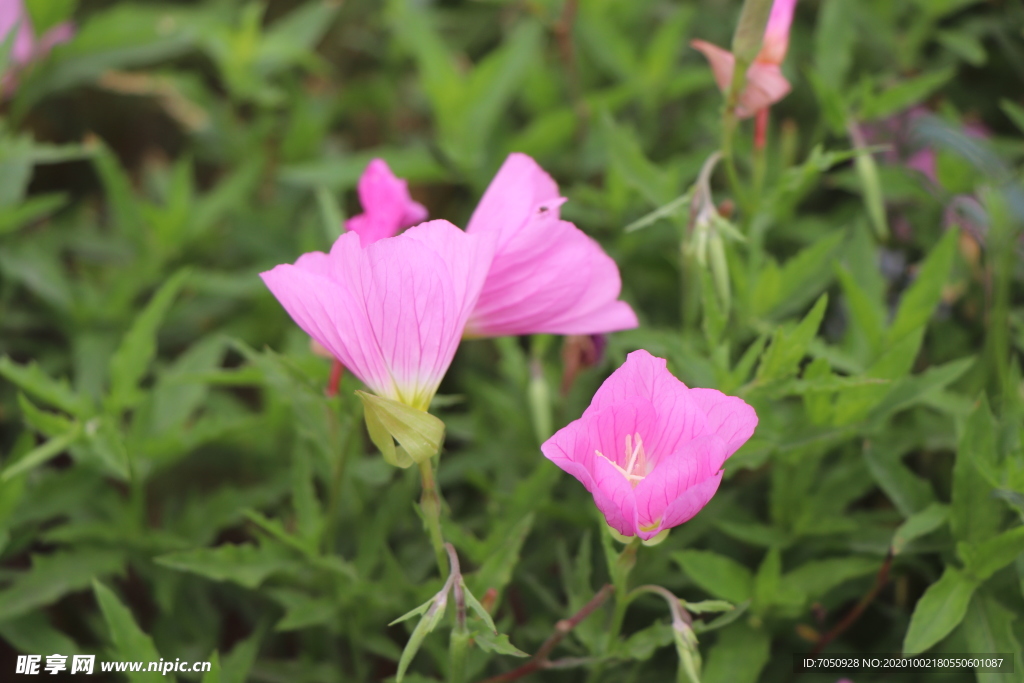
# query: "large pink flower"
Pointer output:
{"type": "Point", "coordinates": [547, 275]}
{"type": "Point", "coordinates": [387, 205]}
{"type": "Point", "coordinates": [393, 311]}
{"type": "Point", "coordinates": [26, 47]}
{"type": "Point", "coordinates": [765, 83]}
{"type": "Point", "coordinates": [648, 448]}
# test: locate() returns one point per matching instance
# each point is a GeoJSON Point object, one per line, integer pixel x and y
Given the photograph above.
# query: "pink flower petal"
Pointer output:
{"type": "Point", "coordinates": [729, 418]}
{"type": "Point", "coordinates": [678, 485]}
{"type": "Point", "coordinates": [722, 62]}
{"type": "Point", "coordinates": [386, 204]}
{"type": "Point", "coordinates": [551, 278]}
{"type": "Point", "coordinates": [575, 449]}
{"type": "Point", "coordinates": [687, 434]}
{"type": "Point", "coordinates": [13, 12]}
{"type": "Point", "coordinates": [392, 312]}
{"type": "Point", "coordinates": [517, 192]}
{"type": "Point", "coordinates": [765, 86]}
{"type": "Point", "coordinates": [678, 417]}
{"type": "Point", "coordinates": [776, 33]}
{"type": "Point", "coordinates": [547, 276]}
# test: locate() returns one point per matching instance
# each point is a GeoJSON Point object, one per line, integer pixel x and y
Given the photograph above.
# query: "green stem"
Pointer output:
{"type": "Point", "coordinates": [430, 505]}
{"type": "Point", "coordinates": [620, 579]}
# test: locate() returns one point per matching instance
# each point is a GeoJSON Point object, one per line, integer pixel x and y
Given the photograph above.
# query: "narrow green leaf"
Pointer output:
{"type": "Point", "coordinates": [130, 362]}
{"type": "Point", "coordinates": [130, 642]}
{"type": "Point", "coordinates": [984, 559]}
{"type": "Point", "coordinates": [975, 514]}
{"type": "Point", "coordinates": [906, 93]}
{"type": "Point", "coordinates": [789, 346]}
{"type": "Point", "coordinates": [245, 564]}
{"type": "Point", "coordinates": [53, 576]}
{"type": "Point", "coordinates": [499, 644]}
{"type": "Point", "coordinates": [818, 577]}
{"type": "Point", "coordinates": [920, 300]}
{"type": "Point", "coordinates": [919, 524]}
{"type": "Point", "coordinates": [988, 627]}
{"type": "Point", "coordinates": [33, 380]}
{"type": "Point", "coordinates": [42, 453]}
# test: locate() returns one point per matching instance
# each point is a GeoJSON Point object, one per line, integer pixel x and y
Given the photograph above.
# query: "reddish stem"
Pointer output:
{"type": "Point", "coordinates": [337, 370]}
{"type": "Point", "coordinates": [880, 580]}
{"type": "Point", "coordinates": [562, 628]}
{"type": "Point", "coordinates": [761, 129]}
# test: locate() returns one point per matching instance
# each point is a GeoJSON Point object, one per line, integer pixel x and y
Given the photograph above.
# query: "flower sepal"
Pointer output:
{"type": "Point", "coordinates": [418, 433]}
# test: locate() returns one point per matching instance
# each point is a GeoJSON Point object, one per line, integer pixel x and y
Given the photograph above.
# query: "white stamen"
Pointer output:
{"type": "Point", "coordinates": [636, 460]}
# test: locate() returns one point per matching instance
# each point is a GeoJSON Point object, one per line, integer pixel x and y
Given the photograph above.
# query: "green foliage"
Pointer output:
{"type": "Point", "coordinates": [165, 434]}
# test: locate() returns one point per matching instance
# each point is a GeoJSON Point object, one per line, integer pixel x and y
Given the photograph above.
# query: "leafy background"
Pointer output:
{"type": "Point", "coordinates": [174, 482]}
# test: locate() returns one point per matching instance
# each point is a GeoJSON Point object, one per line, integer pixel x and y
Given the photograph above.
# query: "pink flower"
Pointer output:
{"type": "Point", "coordinates": [547, 275]}
{"type": "Point", "coordinates": [393, 311]}
{"type": "Point", "coordinates": [765, 83]}
{"type": "Point", "coordinates": [648, 448]}
{"type": "Point", "coordinates": [26, 48]}
{"type": "Point", "coordinates": [386, 202]}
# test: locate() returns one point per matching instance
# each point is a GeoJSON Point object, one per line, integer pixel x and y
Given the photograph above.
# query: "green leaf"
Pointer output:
{"type": "Point", "coordinates": [746, 41]}
{"type": "Point", "coordinates": [705, 606]}
{"type": "Point", "coordinates": [920, 300]}
{"type": "Point", "coordinates": [130, 642]}
{"type": "Point", "coordinates": [627, 157]}
{"type": "Point", "coordinates": [1014, 112]}
{"type": "Point", "coordinates": [738, 656]}
{"type": "Point", "coordinates": [718, 575]}
{"type": "Point", "coordinates": [431, 618]}
{"type": "Point", "coordinates": [789, 346]}
{"type": "Point", "coordinates": [834, 39]}
{"type": "Point", "coordinates": [53, 576]}
{"type": "Point", "coordinates": [988, 627]}
{"type": "Point", "coordinates": [418, 433]}
{"type": "Point", "coordinates": [474, 606]}
{"type": "Point", "coordinates": [33, 632]}
{"type": "Point", "coordinates": [975, 514]}
{"type": "Point", "coordinates": [214, 674]}
{"type": "Point", "coordinates": [908, 492]}
{"type": "Point", "coordinates": [30, 210]}
{"type": "Point", "coordinates": [496, 571]}
{"type": "Point", "coordinates": [130, 362]}
{"type": "Point", "coordinates": [239, 661]}
{"type": "Point", "coordinates": [905, 94]}
{"type": "Point", "coordinates": [498, 644]}
{"type": "Point", "coordinates": [57, 393]}
{"type": "Point", "coordinates": [818, 577]}
{"type": "Point", "coordinates": [44, 422]}
{"type": "Point", "coordinates": [331, 216]}
{"type": "Point", "coordinates": [984, 559]}
{"type": "Point", "coordinates": [641, 645]}
{"type": "Point", "coordinates": [941, 608]}
{"type": "Point", "coordinates": [178, 393]}
{"type": "Point", "coordinates": [919, 524]}
{"type": "Point", "coordinates": [303, 611]}
{"type": "Point", "coordinates": [871, 185]}
{"type": "Point", "coordinates": [42, 453]}
{"type": "Point", "coordinates": [245, 564]}
{"type": "Point", "coordinates": [799, 280]}
{"type": "Point", "coordinates": [965, 46]}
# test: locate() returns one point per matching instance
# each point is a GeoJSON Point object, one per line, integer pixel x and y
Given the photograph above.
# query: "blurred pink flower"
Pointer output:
{"type": "Point", "coordinates": [649, 449]}
{"type": "Point", "coordinates": [386, 204]}
{"type": "Point", "coordinates": [393, 311]}
{"type": "Point", "coordinates": [26, 46]}
{"type": "Point", "coordinates": [548, 276]}
{"type": "Point", "coordinates": [765, 83]}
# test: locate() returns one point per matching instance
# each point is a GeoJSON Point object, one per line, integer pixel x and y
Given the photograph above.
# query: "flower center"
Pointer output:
{"type": "Point", "coordinates": [636, 460]}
